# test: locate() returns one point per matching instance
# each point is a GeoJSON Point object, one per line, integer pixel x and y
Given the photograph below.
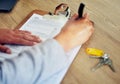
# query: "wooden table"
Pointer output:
{"type": "Point", "coordinates": [106, 16]}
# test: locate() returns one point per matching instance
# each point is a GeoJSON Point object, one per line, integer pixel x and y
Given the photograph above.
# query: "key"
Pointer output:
{"type": "Point", "coordinates": [110, 64]}
{"type": "Point", "coordinates": [101, 63]}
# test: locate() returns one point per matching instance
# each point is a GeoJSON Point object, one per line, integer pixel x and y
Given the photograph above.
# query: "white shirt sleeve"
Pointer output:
{"type": "Point", "coordinates": [34, 65]}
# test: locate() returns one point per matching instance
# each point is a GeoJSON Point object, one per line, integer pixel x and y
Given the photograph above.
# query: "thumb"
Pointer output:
{"type": "Point", "coordinates": [5, 49]}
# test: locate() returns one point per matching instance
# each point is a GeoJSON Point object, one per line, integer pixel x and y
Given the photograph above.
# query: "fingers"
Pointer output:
{"type": "Point", "coordinates": [86, 16]}
{"type": "Point", "coordinates": [74, 17]}
{"type": "Point", "coordinates": [28, 37]}
{"type": "Point", "coordinates": [5, 49]}
{"type": "Point", "coordinates": [19, 37]}
{"type": "Point", "coordinates": [32, 38]}
{"type": "Point", "coordinates": [22, 31]}
{"type": "Point", "coordinates": [25, 39]}
{"type": "Point", "coordinates": [24, 42]}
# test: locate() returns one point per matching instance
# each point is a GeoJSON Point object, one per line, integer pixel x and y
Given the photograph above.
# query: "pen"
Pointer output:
{"type": "Point", "coordinates": [80, 10]}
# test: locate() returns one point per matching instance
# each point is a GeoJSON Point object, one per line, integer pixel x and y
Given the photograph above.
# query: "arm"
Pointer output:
{"type": "Point", "coordinates": [35, 64]}
{"type": "Point", "coordinates": [40, 62]}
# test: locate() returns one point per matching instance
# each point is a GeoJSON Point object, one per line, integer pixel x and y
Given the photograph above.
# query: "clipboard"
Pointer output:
{"type": "Point", "coordinates": [40, 12]}
{"type": "Point", "coordinates": [71, 54]}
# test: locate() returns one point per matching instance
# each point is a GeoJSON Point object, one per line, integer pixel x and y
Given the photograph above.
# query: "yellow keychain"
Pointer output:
{"type": "Point", "coordinates": [95, 52]}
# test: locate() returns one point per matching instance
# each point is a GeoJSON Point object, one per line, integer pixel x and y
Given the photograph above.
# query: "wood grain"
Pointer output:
{"type": "Point", "coordinates": [105, 14]}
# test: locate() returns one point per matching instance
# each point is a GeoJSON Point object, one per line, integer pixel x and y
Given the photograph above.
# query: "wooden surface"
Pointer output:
{"type": "Point", "coordinates": [105, 14]}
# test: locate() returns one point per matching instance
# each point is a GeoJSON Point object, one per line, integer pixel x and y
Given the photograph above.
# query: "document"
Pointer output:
{"type": "Point", "coordinates": [45, 28]}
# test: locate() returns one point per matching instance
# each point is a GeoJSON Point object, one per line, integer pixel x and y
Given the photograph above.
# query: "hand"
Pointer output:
{"type": "Point", "coordinates": [75, 32]}
{"type": "Point", "coordinates": [16, 37]}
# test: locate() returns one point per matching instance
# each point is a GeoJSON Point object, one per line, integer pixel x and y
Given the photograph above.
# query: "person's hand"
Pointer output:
{"type": "Point", "coordinates": [75, 32]}
{"type": "Point", "coordinates": [8, 36]}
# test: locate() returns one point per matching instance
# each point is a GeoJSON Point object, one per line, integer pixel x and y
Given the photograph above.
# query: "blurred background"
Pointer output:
{"type": "Point", "coordinates": [106, 16]}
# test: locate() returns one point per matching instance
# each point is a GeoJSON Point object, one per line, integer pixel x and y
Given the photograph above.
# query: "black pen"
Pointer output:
{"type": "Point", "coordinates": [80, 10]}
